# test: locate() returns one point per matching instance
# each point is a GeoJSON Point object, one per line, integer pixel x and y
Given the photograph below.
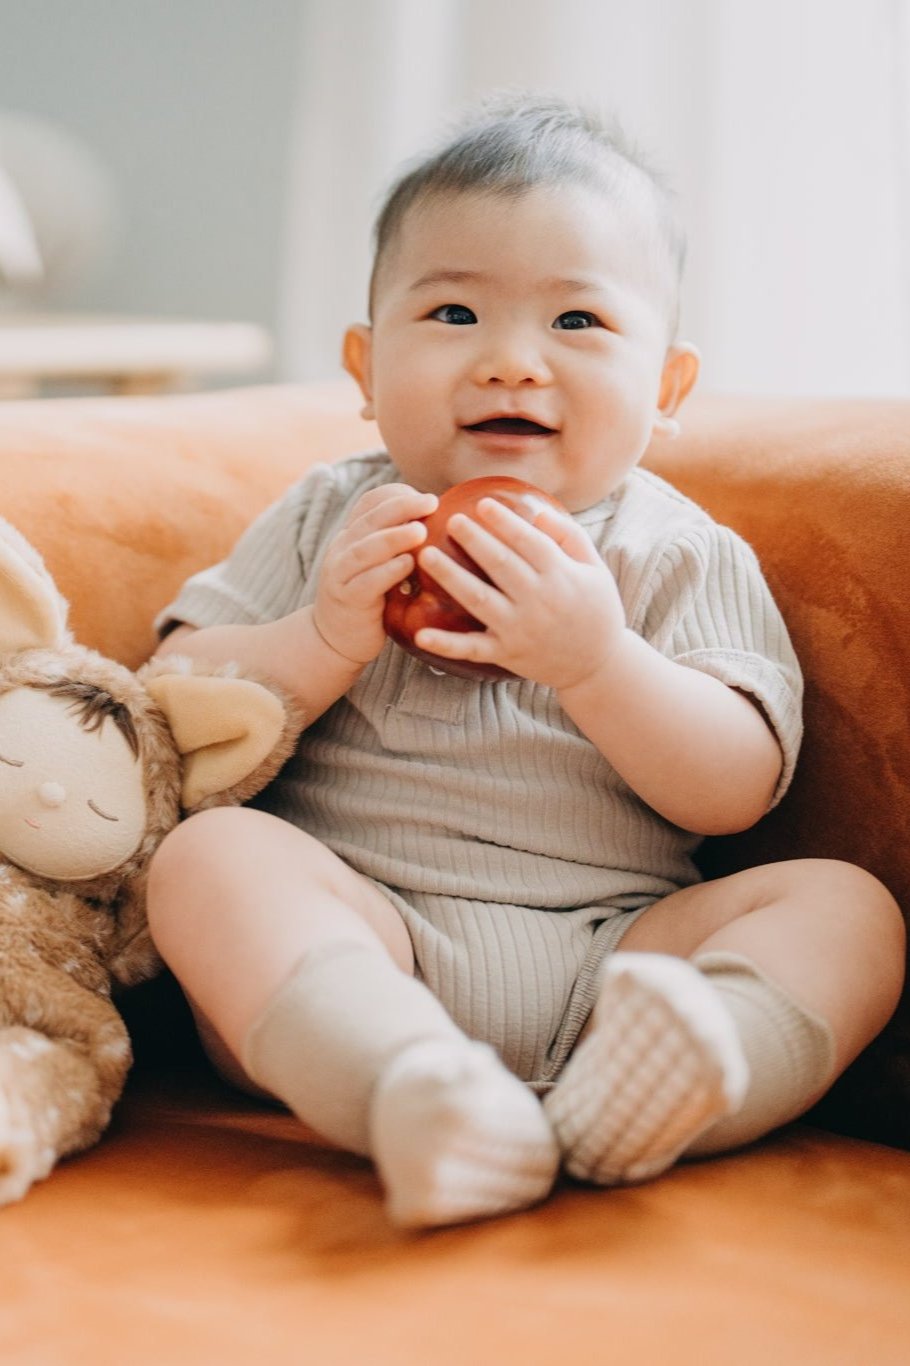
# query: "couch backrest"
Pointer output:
{"type": "Point", "coordinates": [125, 497]}
{"type": "Point", "coordinates": [821, 489]}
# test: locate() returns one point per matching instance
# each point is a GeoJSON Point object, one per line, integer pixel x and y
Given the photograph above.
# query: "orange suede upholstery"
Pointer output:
{"type": "Point", "coordinates": [209, 1228]}
{"type": "Point", "coordinates": [822, 492]}
{"type": "Point", "coordinates": [126, 500]}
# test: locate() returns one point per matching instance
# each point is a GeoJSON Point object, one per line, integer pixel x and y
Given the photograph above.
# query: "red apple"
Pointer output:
{"type": "Point", "coordinates": [419, 600]}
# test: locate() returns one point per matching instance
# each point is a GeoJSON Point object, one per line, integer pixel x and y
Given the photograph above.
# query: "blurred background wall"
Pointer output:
{"type": "Point", "coordinates": [783, 124]}
{"type": "Point", "coordinates": [240, 149]}
{"type": "Point", "coordinates": [186, 109]}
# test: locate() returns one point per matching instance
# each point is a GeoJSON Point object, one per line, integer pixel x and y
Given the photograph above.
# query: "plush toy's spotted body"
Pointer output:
{"type": "Point", "coordinates": [97, 764]}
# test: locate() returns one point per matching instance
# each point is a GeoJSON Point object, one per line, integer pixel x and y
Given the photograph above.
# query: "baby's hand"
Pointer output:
{"type": "Point", "coordinates": [371, 553]}
{"type": "Point", "coordinates": [552, 612]}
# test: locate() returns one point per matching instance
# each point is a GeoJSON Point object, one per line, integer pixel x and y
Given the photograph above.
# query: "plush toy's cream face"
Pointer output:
{"type": "Point", "coordinates": [72, 799]}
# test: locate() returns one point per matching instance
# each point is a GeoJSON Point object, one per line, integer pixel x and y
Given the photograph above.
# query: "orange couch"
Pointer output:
{"type": "Point", "coordinates": [208, 1228]}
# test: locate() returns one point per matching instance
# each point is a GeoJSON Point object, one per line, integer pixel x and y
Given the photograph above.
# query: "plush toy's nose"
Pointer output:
{"type": "Point", "coordinates": [52, 794]}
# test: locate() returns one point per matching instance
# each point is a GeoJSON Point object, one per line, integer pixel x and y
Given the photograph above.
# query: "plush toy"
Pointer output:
{"type": "Point", "coordinates": [97, 764]}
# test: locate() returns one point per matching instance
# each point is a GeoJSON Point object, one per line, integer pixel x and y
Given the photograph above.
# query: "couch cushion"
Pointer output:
{"type": "Point", "coordinates": [207, 1228]}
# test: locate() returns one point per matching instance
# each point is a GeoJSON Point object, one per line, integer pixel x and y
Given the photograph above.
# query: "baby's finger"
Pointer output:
{"type": "Point", "coordinates": [529, 539]}
{"type": "Point", "coordinates": [389, 505]}
{"type": "Point", "coordinates": [476, 647]}
{"type": "Point", "coordinates": [482, 600]}
{"type": "Point", "coordinates": [568, 535]}
{"type": "Point", "coordinates": [373, 583]}
{"type": "Point", "coordinates": [502, 561]}
{"type": "Point", "coordinates": [377, 548]}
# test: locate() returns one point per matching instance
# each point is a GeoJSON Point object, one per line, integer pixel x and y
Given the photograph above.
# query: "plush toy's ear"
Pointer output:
{"type": "Point", "coordinates": [224, 728]}
{"type": "Point", "coordinates": [32, 612]}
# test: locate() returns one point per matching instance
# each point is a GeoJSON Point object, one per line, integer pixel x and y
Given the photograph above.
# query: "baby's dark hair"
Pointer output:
{"type": "Point", "coordinates": [519, 142]}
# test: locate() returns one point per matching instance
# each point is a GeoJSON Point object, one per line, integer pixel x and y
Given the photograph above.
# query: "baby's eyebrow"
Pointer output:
{"type": "Point", "coordinates": [447, 277]}
{"type": "Point", "coordinates": [575, 284]}
{"type": "Point", "coordinates": [572, 284]}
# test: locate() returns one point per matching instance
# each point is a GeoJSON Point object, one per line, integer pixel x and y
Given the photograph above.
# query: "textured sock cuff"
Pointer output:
{"type": "Point", "coordinates": [322, 1041]}
{"type": "Point", "coordinates": [789, 1048]}
{"type": "Point", "coordinates": [281, 1012]}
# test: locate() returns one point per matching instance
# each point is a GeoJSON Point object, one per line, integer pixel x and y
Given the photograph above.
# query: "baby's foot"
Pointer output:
{"type": "Point", "coordinates": [456, 1136]}
{"type": "Point", "coordinates": [662, 1062]}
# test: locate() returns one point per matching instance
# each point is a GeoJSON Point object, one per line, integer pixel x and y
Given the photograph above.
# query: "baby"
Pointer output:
{"type": "Point", "coordinates": [462, 933]}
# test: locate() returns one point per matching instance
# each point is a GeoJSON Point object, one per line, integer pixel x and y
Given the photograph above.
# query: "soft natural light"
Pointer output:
{"type": "Point", "coordinates": [242, 186]}
{"type": "Point", "coordinates": [783, 127]}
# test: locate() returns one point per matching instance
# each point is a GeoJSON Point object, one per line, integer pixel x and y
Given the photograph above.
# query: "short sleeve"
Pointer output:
{"type": "Point", "coordinates": [271, 570]}
{"type": "Point", "coordinates": [709, 608]}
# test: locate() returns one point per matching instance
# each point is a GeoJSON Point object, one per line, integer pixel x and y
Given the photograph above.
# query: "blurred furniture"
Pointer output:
{"type": "Point", "coordinates": [20, 257]}
{"type": "Point", "coordinates": [123, 355]}
{"type": "Point", "coordinates": [59, 218]}
{"type": "Point", "coordinates": [209, 1228]}
{"type": "Point", "coordinates": [59, 209]}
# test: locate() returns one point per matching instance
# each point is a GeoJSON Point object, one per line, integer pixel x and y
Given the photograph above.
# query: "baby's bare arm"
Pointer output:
{"type": "Point", "coordinates": [290, 653]}
{"type": "Point", "coordinates": [317, 653]}
{"type": "Point", "coordinates": [697, 751]}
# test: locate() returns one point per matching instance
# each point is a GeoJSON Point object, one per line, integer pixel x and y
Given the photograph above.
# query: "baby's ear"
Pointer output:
{"type": "Point", "coordinates": [233, 734]}
{"type": "Point", "coordinates": [357, 358]}
{"type": "Point", "coordinates": [32, 612]}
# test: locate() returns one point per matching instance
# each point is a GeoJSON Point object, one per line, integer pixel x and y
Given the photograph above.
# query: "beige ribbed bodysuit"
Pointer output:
{"type": "Point", "coordinates": [514, 852]}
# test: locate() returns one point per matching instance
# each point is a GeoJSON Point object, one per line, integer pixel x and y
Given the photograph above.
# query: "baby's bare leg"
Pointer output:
{"type": "Point", "coordinates": [828, 933]}
{"type": "Point", "coordinates": [304, 970]}
{"type": "Point", "coordinates": [806, 960]}
{"type": "Point", "coordinates": [237, 897]}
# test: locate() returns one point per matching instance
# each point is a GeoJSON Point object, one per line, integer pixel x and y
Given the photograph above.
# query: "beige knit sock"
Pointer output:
{"type": "Point", "coordinates": [457, 1137]}
{"type": "Point", "coordinates": [684, 1058]}
{"type": "Point", "coordinates": [661, 1063]}
{"type": "Point", "coordinates": [789, 1050]}
{"type": "Point", "coordinates": [368, 1057]}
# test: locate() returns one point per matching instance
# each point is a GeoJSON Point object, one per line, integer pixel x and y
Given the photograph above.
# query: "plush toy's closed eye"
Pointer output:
{"type": "Point", "coordinates": [105, 815]}
{"type": "Point", "coordinates": [72, 803]}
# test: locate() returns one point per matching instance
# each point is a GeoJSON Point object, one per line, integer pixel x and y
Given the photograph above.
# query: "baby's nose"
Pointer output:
{"type": "Point", "coordinates": [512, 360]}
{"type": "Point", "coordinates": [52, 794]}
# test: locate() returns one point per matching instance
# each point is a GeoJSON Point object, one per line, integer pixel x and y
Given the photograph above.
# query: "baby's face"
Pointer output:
{"type": "Point", "coordinates": [518, 336]}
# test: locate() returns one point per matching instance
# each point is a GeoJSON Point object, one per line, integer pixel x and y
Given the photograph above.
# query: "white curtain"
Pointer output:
{"type": "Point", "coordinates": [784, 125]}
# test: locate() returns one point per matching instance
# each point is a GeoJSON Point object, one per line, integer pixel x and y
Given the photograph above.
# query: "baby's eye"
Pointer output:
{"type": "Point", "coordinates": [576, 319]}
{"type": "Point", "coordinates": [455, 314]}
{"type": "Point", "coordinates": [13, 763]}
{"type": "Point", "coordinates": [103, 814]}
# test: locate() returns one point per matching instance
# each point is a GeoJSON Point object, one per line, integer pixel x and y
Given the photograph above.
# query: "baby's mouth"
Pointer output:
{"type": "Point", "coordinates": [511, 426]}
